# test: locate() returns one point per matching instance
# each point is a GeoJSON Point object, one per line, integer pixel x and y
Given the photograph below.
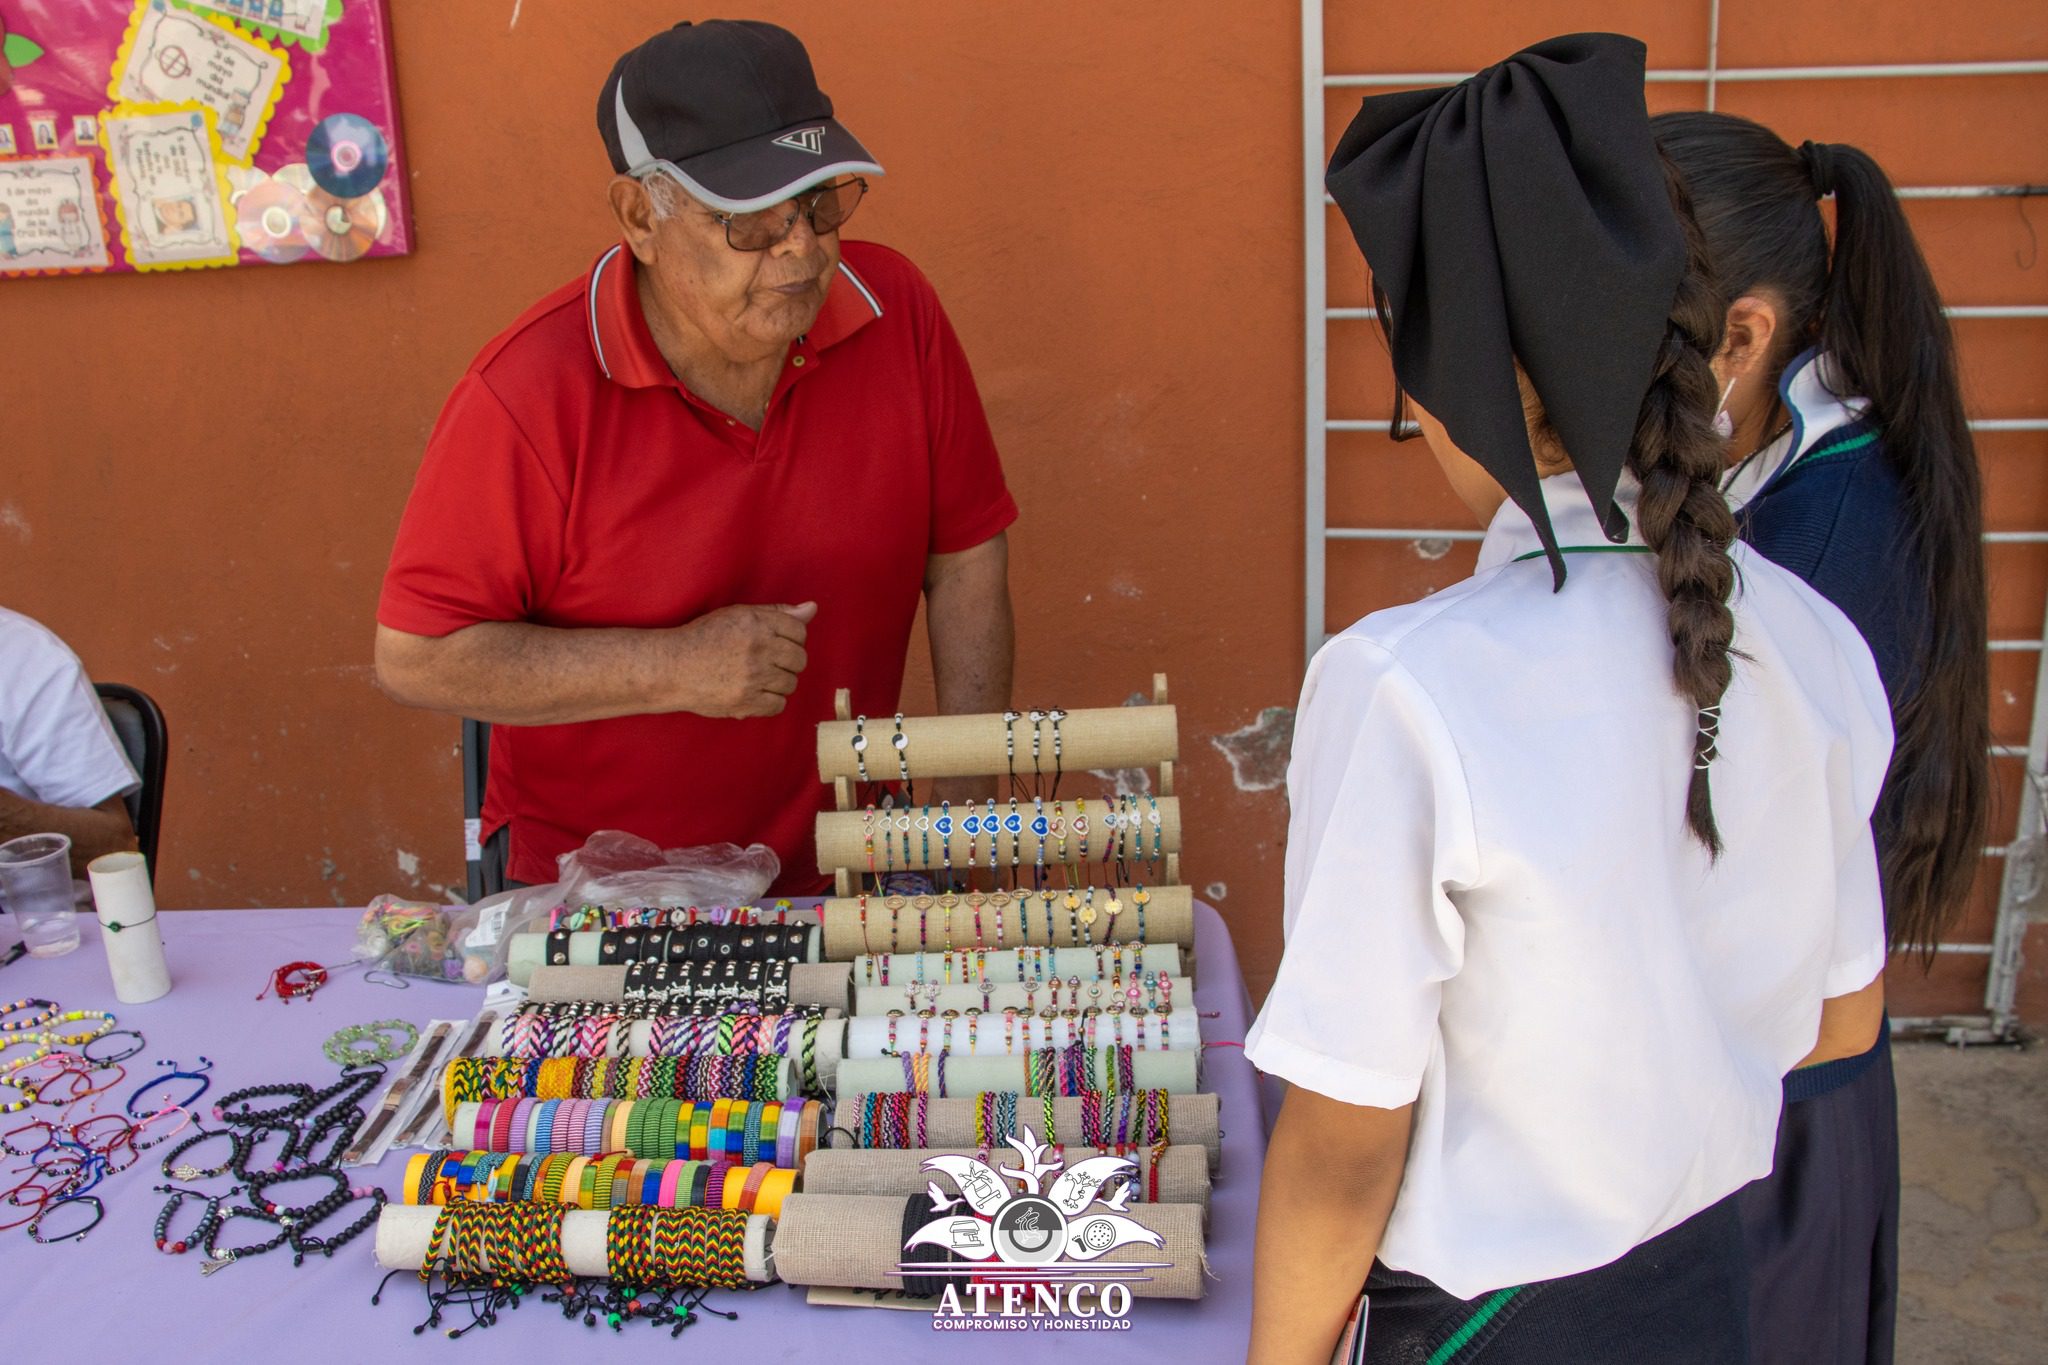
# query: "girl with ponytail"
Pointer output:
{"type": "Point", "coordinates": [1580, 862]}
{"type": "Point", "coordinates": [1854, 468]}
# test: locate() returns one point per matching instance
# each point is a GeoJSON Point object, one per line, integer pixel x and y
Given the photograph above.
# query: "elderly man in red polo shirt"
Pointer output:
{"type": "Point", "coordinates": [685, 497]}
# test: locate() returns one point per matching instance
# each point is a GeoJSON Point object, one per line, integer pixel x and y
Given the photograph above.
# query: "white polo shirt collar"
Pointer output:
{"type": "Point", "coordinates": [1815, 410]}
{"type": "Point", "coordinates": [1511, 535]}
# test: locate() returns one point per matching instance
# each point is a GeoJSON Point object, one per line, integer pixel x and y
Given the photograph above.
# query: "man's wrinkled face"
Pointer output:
{"type": "Point", "coordinates": [750, 304]}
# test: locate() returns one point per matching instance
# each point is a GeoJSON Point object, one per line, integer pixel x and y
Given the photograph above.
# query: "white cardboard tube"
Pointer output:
{"type": "Point", "coordinates": [129, 928]}
{"type": "Point", "coordinates": [831, 1045]}
{"type": "Point", "coordinates": [869, 1035]}
{"type": "Point", "coordinates": [1099, 962]}
{"type": "Point", "coordinates": [404, 1230]}
{"type": "Point", "coordinates": [870, 1001]}
{"type": "Point", "coordinates": [1176, 1072]}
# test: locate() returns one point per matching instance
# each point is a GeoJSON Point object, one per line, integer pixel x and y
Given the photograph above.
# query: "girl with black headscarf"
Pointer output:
{"type": "Point", "coordinates": [1579, 846]}
{"type": "Point", "coordinates": [1855, 470]}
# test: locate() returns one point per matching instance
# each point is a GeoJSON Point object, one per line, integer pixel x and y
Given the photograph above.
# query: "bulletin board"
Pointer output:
{"type": "Point", "coordinates": [153, 135]}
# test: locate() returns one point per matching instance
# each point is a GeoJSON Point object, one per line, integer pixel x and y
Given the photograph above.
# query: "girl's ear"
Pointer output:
{"type": "Point", "coordinates": [1748, 344]}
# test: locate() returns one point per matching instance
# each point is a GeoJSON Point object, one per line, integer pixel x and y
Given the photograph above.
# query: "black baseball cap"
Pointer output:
{"type": "Point", "coordinates": [731, 109]}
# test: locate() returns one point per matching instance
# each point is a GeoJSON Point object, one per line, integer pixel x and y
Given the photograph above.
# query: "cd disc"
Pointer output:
{"type": "Point", "coordinates": [297, 176]}
{"type": "Point", "coordinates": [268, 218]}
{"type": "Point", "coordinates": [344, 229]}
{"type": "Point", "coordinates": [347, 155]}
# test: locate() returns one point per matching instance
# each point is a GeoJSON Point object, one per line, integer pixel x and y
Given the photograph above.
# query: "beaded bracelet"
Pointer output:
{"type": "Point", "coordinates": [50, 1033]}
{"type": "Point", "coordinates": [8, 1024]}
{"type": "Point", "coordinates": [341, 1049]}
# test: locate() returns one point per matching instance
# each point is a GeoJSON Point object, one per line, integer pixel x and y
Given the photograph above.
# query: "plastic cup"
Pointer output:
{"type": "Point", "coordinates": [35, 887]}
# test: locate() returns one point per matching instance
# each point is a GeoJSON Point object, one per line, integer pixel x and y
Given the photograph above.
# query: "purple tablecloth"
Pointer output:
{"type": "Point", "coordinates": [112, 1297]}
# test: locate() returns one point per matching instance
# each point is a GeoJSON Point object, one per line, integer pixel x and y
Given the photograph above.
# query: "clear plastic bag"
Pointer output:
{"type": "Point", "coordinates": [416, 938]}
{"type": "Point", "coordinates": [616, 868]}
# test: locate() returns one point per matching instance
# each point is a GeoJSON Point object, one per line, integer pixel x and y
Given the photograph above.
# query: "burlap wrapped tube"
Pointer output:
{"type": "Point", "coordinates": [966, 1075]}
{"type": "Point", "coordinates": [1183, 1171]}
{"type": "Point", "coordinates": [894, 925]}
{"type": "Point", "coordinates": [854, 1241]}
{"type": "Point", "coordinates": [950, 1122]}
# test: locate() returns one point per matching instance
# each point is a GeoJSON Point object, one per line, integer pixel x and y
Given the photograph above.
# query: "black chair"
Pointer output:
{"type": "Point", "coordinates": [139, 724]}
{"type": "Point", "coordinates": [486, 860]}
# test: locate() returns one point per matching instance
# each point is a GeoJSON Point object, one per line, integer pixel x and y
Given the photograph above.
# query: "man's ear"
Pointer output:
{"type": "Point", "coordinates": [633, 209]}
{"type": "Point", "coordinates": [1750, 338]}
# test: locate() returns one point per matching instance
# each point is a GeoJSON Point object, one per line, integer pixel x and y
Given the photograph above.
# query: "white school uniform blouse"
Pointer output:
{"type": "Point", "coordinates": [1494, 907]}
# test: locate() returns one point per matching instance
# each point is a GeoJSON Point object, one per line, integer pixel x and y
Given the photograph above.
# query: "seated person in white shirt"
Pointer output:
{"type": "Point", "coordinates": [62, 769]}
{"type": "Point", "coordinates": [1580, 860]}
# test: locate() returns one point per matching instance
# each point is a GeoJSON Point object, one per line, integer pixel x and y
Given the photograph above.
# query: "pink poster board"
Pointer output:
{"type": "Point", "coordinates": [185, 134]}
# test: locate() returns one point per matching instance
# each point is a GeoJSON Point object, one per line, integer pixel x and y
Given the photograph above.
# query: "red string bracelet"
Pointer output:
{"type": "Point", "coordinates": [295, 980]}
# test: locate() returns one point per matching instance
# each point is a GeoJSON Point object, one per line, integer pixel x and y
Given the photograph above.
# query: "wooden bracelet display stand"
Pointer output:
{"type": "Point", "coordinates": [856, 842]}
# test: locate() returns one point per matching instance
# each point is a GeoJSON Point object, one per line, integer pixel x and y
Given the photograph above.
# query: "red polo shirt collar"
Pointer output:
{"type": "Point", "coordinates": [624, 348]}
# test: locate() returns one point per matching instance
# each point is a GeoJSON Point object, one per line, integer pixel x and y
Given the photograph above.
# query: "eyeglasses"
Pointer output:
{"type": "Point", "coordinates": [826, 208]}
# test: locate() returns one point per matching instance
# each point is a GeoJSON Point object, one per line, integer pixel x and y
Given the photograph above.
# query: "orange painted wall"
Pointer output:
{"type": "Point", "coordinates": [200, 474]}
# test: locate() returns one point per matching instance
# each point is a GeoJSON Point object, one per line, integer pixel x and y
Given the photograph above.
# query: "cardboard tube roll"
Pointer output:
{"type": "Point", "coordinates": [854, 1241]}
{"type": "Point", "coordinates": [868, 1035]}
{"type": "Point", "coordinates": [979, 745]}
{"type": "Point", "coordinates": [528, 951]}
{"type": "Point", "coordinates": [1171, 1071]}
{"type": "Point", "coordinates": [1183, 1171]}
{"type": "Point", "coordinates": [639, 1042]}
{"type": "Point", "coordinates": [1190, 1119]}
{"type": "Point", "coordinates": [129, 928]}
{"type": "Point", "coordinates": [404, 1232]}
{"type": "Point", "coordinates": [1007, 965]}
{"type": "Point", "coordinates": [843, 837]}
{"type": "Point", "coordinates": [785, 1085]}
{"type": "Point", "coordinates": [870, 1001]}
{"type": "Point", "coordinates": [812, 985]}
{"type": "Point", "coordinates": [893, 924]}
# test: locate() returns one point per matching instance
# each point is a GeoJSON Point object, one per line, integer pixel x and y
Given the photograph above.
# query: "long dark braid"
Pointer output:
{"type": "Point", "coordinates": [1679, 458]}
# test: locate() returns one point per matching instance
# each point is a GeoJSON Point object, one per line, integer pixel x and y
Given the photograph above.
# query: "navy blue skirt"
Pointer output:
{"type": "Point", "coordinates": [1823, 1227]}
{"type": "Point", "coordinates": [1680, 1298]}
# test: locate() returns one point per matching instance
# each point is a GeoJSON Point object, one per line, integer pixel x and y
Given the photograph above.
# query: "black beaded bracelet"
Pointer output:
{"type": "Point", "coordinates": [208, 1225]}
{"type": "Point", "coordinates": [337, 1194]}
{"type": "Point", "coordinates": [101, 1063]}
{"type": "Point", "coordinates": [191, 1172]}
{"type": "Point", "coordinates": [219, 1259]}
{"type": "Point", "coordinates": [327, 1246]}
{"type": "Point", "coordinates": [298, 1094]}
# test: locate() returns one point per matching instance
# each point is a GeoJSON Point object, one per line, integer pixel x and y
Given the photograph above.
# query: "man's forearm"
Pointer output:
{"type": "Point", "coordinates": [93, 830]}
{"type": "Point", "coordinates": [1331, 1175]}
{"type": "Point", "coordinates": [973, 634]}
{"type": "Point", "coordinates": [513, 673]}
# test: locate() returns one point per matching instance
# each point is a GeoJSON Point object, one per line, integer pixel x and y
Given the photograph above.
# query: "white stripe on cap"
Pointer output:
{"type": "Point", "coordinates": [597, 339]}
{"type": "Point", "coordinates": [631, 142]}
